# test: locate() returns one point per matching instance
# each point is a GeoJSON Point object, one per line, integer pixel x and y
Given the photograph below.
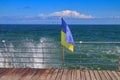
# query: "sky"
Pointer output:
{"type": "Point", "coordinates": [51, 11]}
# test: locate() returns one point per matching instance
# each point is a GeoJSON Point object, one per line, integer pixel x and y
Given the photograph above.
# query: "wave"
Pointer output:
{"type": "Point", "coordinates": [27, 53]}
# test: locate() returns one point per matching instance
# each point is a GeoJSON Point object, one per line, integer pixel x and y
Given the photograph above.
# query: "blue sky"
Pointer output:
{"type": "Point", "coordinates": [50, 11]}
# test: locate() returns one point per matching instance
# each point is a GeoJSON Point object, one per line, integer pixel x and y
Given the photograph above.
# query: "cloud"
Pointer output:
{"type": "Point", "coordinates": [55, 20]}
{"type": "Point", "coordinates": [66, 13]}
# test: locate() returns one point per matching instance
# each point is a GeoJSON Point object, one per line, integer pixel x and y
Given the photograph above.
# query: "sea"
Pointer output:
{"type": "Point", "coordinates": [23, 41]}
{"type": "Point", "coordinates": [52, 32]}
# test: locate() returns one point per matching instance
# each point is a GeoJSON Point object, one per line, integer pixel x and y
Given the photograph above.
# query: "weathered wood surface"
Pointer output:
{"type": "Point", "coordinates": [57, 74]}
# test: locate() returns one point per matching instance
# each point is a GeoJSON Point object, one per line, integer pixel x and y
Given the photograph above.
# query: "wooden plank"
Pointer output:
{"type": "Point", "coordinates": [4, 72]}
{"type": "Point", "coordinates": [111, 75]}
{"type": "Point", "coordinates": [24, 73]}
{"type": "Point", "coordinates": [44, 75]}
{"type": "Point", "coordinates": [59, 76]}
{"type": "Point", "coordinates": [102, 75]}
{"type": "Point", "coordinates": [38, 73]}
{"type": "Point", "coordinates": [50, 74]}
{"type": "Point", "coordinates": [78, 75]}
{"type": "Point", "coordinates": [64, 76]}
{"type": "Point", "coordinates": [29, 74]}
{"type": "Point", "coordinates": [82, 74]}
{"type": "Point", "coordinates": [107, 75]}
{"type": "Point", "coordinates": [87, 75]}
{"type": "Point", "coordinates": [97, 75]}
{"type": "Point", "coordinates": [118, 72]}
{"type": "Point", "coordinates": [74, 74]}
{"type": "Point", "coordinates": [13, 73]}
{"type": "Point", "coordinates": [54, 74]}
{"type": "Point", "coordinates": [69, 74]}
{"type": "Point", "coordinates": [116, 75]}
{"type": "Point", "coordinates": [8, 74]}
{"type": "Point", "coordinates": [17, 74]}
{"type": "Point", "coordinates": [92, 75]}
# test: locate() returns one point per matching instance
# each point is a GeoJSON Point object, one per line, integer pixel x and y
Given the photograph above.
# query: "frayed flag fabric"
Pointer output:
{"type": "Point", "coordinates": [66, 36]}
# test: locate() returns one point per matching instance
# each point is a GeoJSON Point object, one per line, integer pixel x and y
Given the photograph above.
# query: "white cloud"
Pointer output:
{"type": "Point", "coordinates": [66, 13]}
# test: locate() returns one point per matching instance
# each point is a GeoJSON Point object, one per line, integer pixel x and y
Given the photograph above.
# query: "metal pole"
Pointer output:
{"type": "Point", "coordinates": [43, 54]}
{"type": "Point", "coordinates": [62, 55]}
{"type": "Point", "coordinates": [6, 51]}
{"type": "Point", "coordinates": [81, 56]}
{"type": "Point", "coordinates": [80, 59]}
{"type": "Point", "coordinates": [119, 64]}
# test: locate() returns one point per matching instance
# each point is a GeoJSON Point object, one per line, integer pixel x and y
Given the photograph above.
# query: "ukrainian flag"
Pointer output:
{"type": "Point", "coordinates": [66, 36]}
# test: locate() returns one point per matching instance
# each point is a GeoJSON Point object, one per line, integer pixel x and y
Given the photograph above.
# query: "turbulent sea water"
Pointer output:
{"type": "Point", "coordinates": [31, 35]}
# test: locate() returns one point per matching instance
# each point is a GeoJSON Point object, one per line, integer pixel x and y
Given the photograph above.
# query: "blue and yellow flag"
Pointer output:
{"type": "Point", "coordinates": [66, 36]}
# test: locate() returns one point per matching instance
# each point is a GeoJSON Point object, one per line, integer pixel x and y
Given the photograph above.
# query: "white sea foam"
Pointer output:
{"type": "Point", "coordinates": [26, 51]}
{"type": "Point", "coordinates": [39, 56]}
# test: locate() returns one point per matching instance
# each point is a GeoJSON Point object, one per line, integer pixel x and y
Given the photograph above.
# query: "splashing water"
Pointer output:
{"type": "Point", "coordinates": [26, 53]}
{"type": "Point", "coordinates": [22, 54]}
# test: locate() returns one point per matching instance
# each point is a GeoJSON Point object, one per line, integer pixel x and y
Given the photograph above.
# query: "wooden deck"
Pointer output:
{"type": "Point", "coordinates": [57, 74]}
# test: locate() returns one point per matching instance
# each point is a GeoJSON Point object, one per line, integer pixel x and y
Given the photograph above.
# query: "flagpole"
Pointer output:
{"type": "Point", "coordinates": [43, 54]}
{"type": "Point", "coordinates": [119, 63]}
{"type": "Point", "coordinates": [62, 55]}
{"type": "Point", "coordinates": [6, 50]}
